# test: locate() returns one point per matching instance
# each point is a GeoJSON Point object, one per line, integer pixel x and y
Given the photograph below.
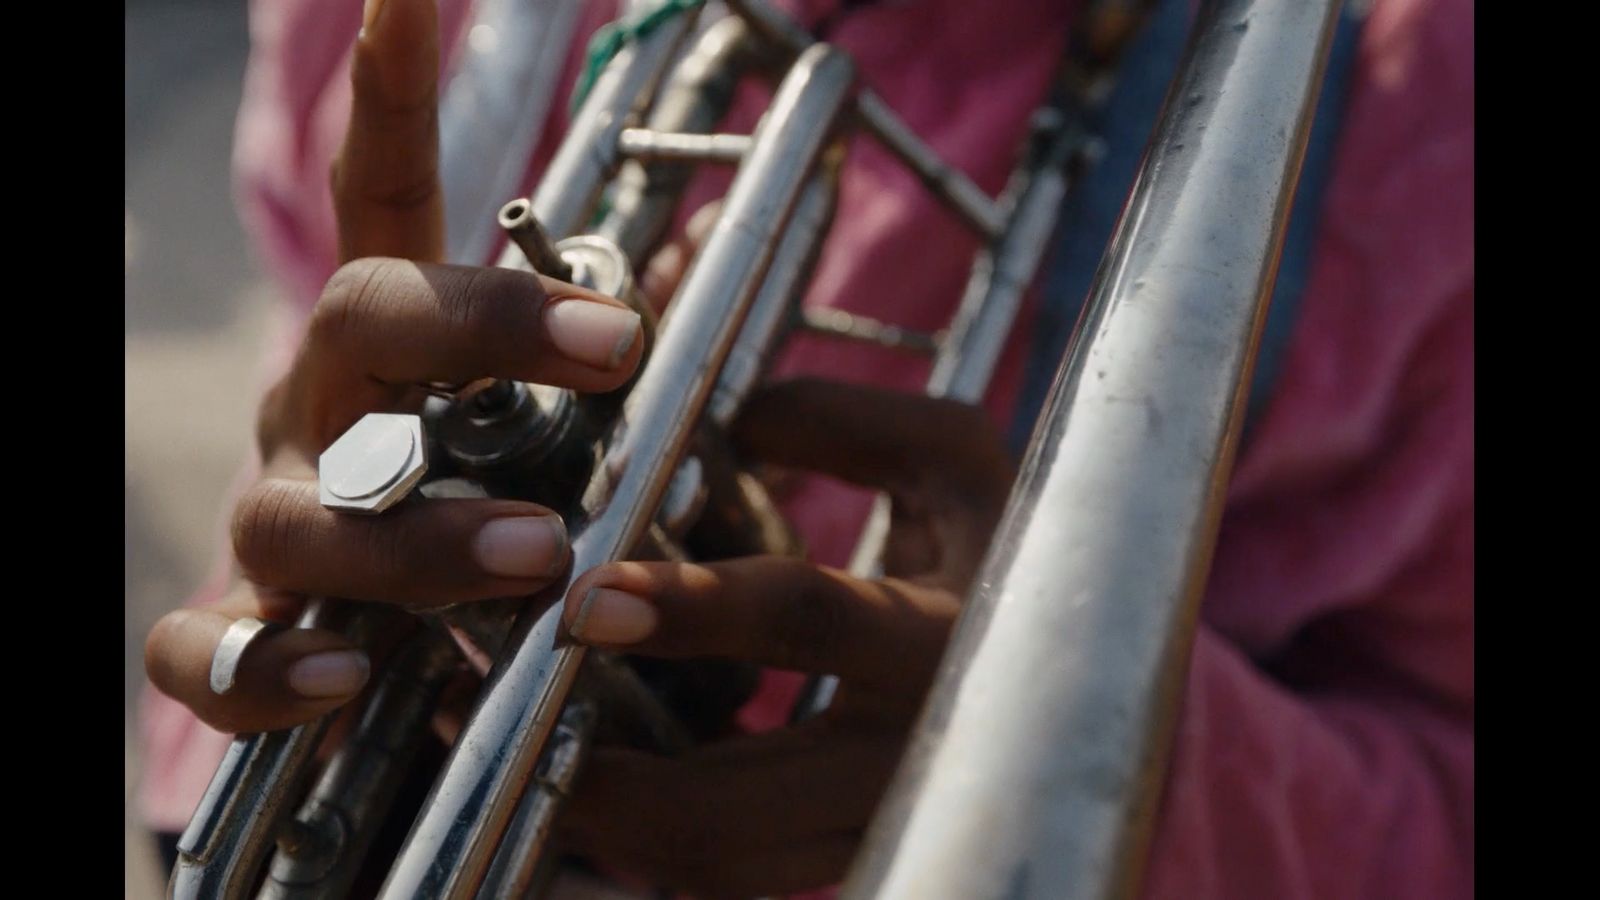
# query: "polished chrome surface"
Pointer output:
{"type": "Point", "coordinates": [493, 111]}
{"type": "Point", "coordinates": [1039, 759]}
{"type": "Point", "coordinates": [321, 852]}
{"type": "Point", "coordinates": [523, 227]}
{"type": "Point", "coordinates": [694, 99]}
{"type": "Point", "coordinates": [949, 185]}
{"type": "Point", "coordinates": [836, 323]}
{"type": "Point", "coordinates": [685, 498]}
{"type": "Point", "coordinates": [966, 356]}
{"type": "Point", "coordinates": [451, 845]}
{"type": "Point", "coordinates": [241, 813]}
{"type": "Point", "coordinates": [374, 464]}
{"type": "Point", "coordinates": [673, 146]}
{"type": "Point", "coordinates": [530, 419]}
{"type": "Point", "coordinates": [515, 872]}
{"type": "Point", "coordinates": [787, 277]}
{"type": "Point", "coordinates": [658, 476]}
{"type": "Point", "coordinates": [572, 182]}
{"type": "Point", "coordinates": [596, 263]}
{"type": "Point", "coordinates": [251, 796]}
{"type": "Point", "coordinates": [1004, 271]}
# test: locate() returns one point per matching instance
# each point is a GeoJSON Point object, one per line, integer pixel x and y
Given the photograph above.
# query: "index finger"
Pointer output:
{"type": "Point", "coordinates": [386, 189]}
{"type": "Point", "coordinates": [383, 325]}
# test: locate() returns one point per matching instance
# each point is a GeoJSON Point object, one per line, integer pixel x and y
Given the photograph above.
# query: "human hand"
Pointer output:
{"type": "Point", "coordinates": [391, 318]}
{"type": "Point", "coordinates": [784, 810]}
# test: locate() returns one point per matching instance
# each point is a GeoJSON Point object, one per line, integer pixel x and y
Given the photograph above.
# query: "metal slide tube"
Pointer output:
{"type": "Point", "coordinates": [1038, 762]}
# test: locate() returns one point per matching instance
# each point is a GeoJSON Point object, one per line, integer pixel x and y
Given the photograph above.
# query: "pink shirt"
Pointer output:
{"type": "Point", "coordinates": [1326, 743]}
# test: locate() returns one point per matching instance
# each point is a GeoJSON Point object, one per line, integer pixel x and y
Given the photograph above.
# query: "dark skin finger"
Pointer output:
{"type": "Point", "coordinates": [385, 325]}
{"type": "Point", "coordinates": [272, 691]}
{"type": "Point", "coordinates": [284, 679]}
{"type": "Point", "coordinates": [784, 811]}
{"type": "Point", "coordinates": [774, 812]}
{"type": "Point", "coordinates": [775, 611]}
{"type": "Point", "coordinates": [421, 555]}
{"type": "Point", "coordinates": [386, 190]}
{"type": "Point", "coordinates": [873, 437]}
{"type": "Point", "coordinates": [941, 462]}
{"type": "Point", "coordinates": [381, 320]}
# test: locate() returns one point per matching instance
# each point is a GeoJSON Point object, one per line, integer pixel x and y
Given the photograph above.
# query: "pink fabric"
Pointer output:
{"type": "Point", "coordinates": [1326, 743]}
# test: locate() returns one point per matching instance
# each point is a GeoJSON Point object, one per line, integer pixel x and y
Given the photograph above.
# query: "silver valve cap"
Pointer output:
{"type": "Point", "coordinates": [374, 465]}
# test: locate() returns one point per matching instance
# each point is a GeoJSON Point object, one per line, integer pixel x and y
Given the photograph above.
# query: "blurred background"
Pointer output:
{"type": "Point", "coordinates": [197, 311]}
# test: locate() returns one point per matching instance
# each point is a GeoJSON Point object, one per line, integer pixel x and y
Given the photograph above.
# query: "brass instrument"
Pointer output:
{"type": "Point", "coordinates": [1037, 763]}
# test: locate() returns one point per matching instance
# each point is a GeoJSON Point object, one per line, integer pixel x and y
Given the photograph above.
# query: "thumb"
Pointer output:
{"type": "Point", "coordinates": [386, 191]}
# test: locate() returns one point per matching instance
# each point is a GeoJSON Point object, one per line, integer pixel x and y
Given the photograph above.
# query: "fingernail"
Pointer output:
{"type": "Point", "coordinates": [530, 547]}
{"type": "Point", "coordinates": [610, 616]}
{"type": "Point", "coordinates": [592, 333]}
{"type": "Point", "coordinates": [338, 673]}
{"type": "Point", "coordinates": [369, 13]}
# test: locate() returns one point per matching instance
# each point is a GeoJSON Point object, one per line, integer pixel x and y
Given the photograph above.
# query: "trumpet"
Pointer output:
{"type": "Point", "coordinates": [1116, 506]}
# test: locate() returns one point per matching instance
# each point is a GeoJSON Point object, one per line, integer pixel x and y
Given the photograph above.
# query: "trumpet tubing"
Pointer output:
{"type": "Point", "coordinates": [645, 471]}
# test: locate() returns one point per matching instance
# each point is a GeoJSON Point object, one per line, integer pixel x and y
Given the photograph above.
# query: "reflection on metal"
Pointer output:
{"type": "Point", "coordinates": [251, 797]}
{"type": "Point", "coordinates": [781, 293]}
{"type": "Point", "coordinates": [492, 113]}
{"type": "Point", "coordinates": [966, 356]}
{"type": "Point", "coordinates": [451, 845]}
{"type": "Point", "coordinates": [1032, 774]}
{"type": "Point", "coordinates": [519, 867]}
{"type": "Point", "coordinates": [1038, 762]}
{"type": "Point", "coordinates": [321, 853]}
{"type": "Point", "coordinates": [571, 184]}
{"type": "Point", "coordinates": [517, 218]}
{"type": "Point", "coordinates": [836, 323]}
{"type": "Point", "coordinates": [671, 146]}
{"type": "Point", "coordinates": [373, 465]}
{"type": "Point", "coordinates": [693, 100]}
